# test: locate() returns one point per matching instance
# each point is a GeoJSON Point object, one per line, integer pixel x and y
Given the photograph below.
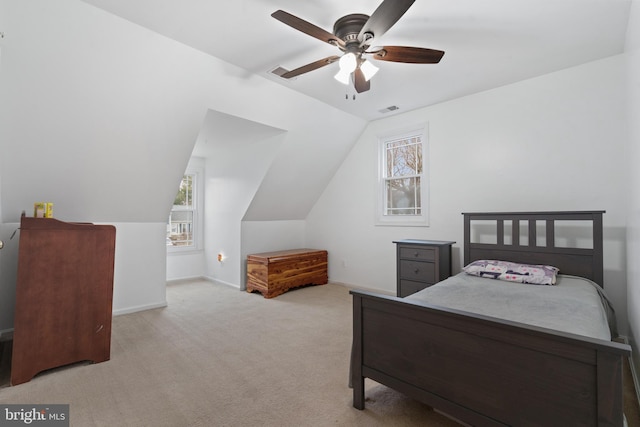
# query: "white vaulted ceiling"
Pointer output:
{"type": "Point", "coordinates": [488, 43]}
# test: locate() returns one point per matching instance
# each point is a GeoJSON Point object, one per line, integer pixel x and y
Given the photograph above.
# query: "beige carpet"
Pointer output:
{"type": "Point", "coordinates": [220, 357]}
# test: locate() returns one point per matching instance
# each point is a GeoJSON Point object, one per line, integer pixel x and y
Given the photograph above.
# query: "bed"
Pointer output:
{"type": "Point", "coordinates": [487, 371]}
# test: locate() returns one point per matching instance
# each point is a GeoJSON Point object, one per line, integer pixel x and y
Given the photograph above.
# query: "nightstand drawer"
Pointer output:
{"type": "Point", "coordinates": [417, 270]}
{"type": "Point", "coordinates": [421, 263]}
{"type": "Point", "coordinates": [422, 254]}
{"type": "Point", "coordinates": [409, 287]}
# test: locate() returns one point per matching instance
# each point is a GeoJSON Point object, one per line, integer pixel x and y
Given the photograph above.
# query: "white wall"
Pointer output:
{"type": "Point", "coordinates": [184, 266]}
{"type": "Point", "coordinates": [188, 264]}
{"type": "Point", "coordinates": [233, 176]}
{"type": "Point", "coordinates": [551, 143]}
{"type": "Point", "coordinates": [267, 173]}
{"type": "Point", "coordinates": [8, 274]}
{"type": "Point", "coordinates": [633, 162]}
{"type": "Point", "coordinates": [140, 266]}
{"type": "Point", "coordinates": [100, 116]}
{"type": "Point", "coordinates": [268, 236]}
{"type": "Point", "coordinates": [96, 113]}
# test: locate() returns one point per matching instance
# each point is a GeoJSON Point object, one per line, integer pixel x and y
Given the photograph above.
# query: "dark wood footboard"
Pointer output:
{"type": "Point", "coordinates": [485, 371]}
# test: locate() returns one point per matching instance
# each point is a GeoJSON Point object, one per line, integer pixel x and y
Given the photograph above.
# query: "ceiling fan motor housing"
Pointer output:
{"type": "Point", "coordinates": [348, 27]}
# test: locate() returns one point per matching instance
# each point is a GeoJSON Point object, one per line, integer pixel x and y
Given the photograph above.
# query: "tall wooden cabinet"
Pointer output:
{"type": "Point", "coordinates": [63, 295]}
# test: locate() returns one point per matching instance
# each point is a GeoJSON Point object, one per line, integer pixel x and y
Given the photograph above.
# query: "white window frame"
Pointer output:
{"type": "Point", "coordinates": [418, 220]}
{"type": "Point", "coordinates": [198, 203]}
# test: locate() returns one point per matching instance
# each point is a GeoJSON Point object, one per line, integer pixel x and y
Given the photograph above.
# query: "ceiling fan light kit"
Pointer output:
{"type": "Point", "coordinates": [353, 34]}
{"type": "Point", "coordinates": [343, 77]}
{"type": "Point", "coordinates": [368, 69]}
{"type": "Point", "coordinates": [348, 62]}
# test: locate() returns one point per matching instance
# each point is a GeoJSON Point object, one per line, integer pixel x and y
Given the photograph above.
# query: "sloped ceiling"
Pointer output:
{"type": "Point", "coordinates": [488, 43]}
{"type": "Point", "coordinates": [100, 116]}
{"type": "Point", "coordinates": [220, 130]}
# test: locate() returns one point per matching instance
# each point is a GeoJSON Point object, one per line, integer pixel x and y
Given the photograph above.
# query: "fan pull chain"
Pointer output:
{"type": "Point", "coordinates": [348, 94]}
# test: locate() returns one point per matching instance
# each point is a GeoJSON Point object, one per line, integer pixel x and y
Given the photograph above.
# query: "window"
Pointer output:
{"type": "Point", "coordinates": [402, 179]}
{"type": "Point", "coordinates": [182, 219]}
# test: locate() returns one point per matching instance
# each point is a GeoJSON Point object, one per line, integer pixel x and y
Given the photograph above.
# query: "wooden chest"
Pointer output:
{"type": "Point", "coordinates": [274, 273]}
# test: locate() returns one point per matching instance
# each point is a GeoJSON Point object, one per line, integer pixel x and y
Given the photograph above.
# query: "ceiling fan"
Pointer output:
{"type": "Point", "coordinates": [353, 35]}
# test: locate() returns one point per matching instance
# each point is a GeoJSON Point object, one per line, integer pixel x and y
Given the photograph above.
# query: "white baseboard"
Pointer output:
{"type": "Point", "coordinates": [207, 278]}
{"type": "Point", "coordinates": [185, 279]}
{"type": "Point", "coordinates": [362, 288]}
{"type": "Point", "coordinates": [130, 310]}
{"type": "Point", "coordinates": [221, 282]}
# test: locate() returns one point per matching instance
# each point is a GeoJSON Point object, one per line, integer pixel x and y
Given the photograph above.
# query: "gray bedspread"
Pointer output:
{"type": "Point", "coordinates": [575, 305]}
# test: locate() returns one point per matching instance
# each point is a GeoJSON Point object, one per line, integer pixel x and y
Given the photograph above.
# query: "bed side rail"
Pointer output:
{"type": "Point", "coordinates": [482, 370]}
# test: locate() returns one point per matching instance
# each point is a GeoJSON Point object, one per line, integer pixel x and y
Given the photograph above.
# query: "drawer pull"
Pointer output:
{"type": "Point", "coordinates": [416, 254]}
{"type": "Point", "coordinates": [417, 270]}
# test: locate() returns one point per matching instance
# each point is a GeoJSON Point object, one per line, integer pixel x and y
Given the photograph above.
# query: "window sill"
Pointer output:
{"type": "Point", "coordinates": [417, 221]}
{"type": "Point", "coordinates": [171, 251]}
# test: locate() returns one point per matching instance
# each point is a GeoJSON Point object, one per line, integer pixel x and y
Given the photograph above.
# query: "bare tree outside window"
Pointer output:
{"type": "Point", "coordinates": [403, 160]}
{"type": "Point", "coordinates": [403, 179]}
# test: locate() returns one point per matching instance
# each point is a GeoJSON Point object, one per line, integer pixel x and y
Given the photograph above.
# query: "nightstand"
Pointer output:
{"type": "Point", "coordinates": [421, 263]}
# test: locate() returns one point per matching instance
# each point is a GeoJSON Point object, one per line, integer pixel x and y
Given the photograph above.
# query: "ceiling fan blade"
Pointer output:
{"type": "Point", "coordinates": [359, 82]}
{"type": "Point", "coordinates": [307, 28]}
{"type": "Point", "coordinates": [383, 18]}
{"type": "Point", "coordinates": [310, 67]}
{"type": "Point", "coordinates": [411, 55]}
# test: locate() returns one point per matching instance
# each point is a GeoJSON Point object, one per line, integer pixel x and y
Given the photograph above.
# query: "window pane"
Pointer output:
{"type": "Point", "coordinates": [180, 228]}
{"type": "Point", "coordinates": [403, 164]}
{"type": "Point", "coordinates": [403, 196]}
{"type": "Point", "coordinates": [185, 192]}
{"type": "Point", "coordinates": [404, 157]}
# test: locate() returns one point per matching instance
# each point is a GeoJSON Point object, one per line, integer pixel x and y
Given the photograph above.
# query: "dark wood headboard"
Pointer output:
{"type": "Point", "coordinates": [579, 261]}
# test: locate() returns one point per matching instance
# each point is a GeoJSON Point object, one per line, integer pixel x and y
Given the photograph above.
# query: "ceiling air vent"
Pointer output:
{"type": "Point", "coordinates": [388, 109]}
